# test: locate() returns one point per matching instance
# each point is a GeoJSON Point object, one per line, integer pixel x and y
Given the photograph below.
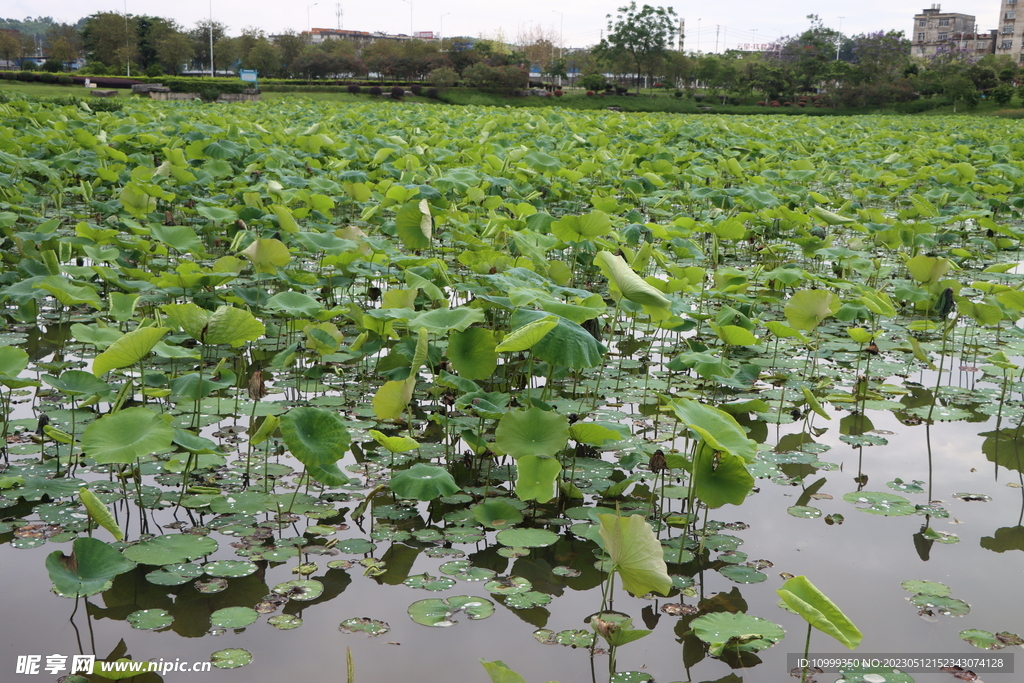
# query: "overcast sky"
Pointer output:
{"type": "Point", "coordinates": [580, 22]}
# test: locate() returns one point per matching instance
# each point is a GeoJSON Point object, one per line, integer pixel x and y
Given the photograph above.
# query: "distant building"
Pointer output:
{"type": "Point", "coordinates": [362, 38]}
{"type": "Point", "coordinates": [1011, 34]}
{"type": "Point", "coordinates": [935, 30]}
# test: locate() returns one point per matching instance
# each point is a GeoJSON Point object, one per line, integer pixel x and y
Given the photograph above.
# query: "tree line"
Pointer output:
{"type": "Point", "coordinates": [869, 69]}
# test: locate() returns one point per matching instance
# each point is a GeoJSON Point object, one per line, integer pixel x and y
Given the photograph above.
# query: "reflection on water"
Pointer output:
{"type": "Point", "coordinates": [859, 562]}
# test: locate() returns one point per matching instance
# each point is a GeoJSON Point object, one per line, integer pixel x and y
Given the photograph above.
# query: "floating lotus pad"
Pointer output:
{"type": "Point", "coordinates": [527, 538]}
{"type": "Point", "coordinates": [231, 658]}
{"type": "Point", "coordinates": [430, 583]}
{"type": "Point", "coordinates": [438, 612]}
{"type": "Point", "coordinates": [150, 619]}
{"type": "Point", "coordinates": [230, 568]}
{"type": "Point", "coordinates": [174, 574]}
{"type": "Point", "coordinates": [300, 589]}
{"type": "Point", "coordinates": [736, 631]}
{"type": "Point", "coordinates": [171, 549]}
{"type": "Point", "coordinates": [285, 622]}
{"type": "Point", "coordinates": [233, 617]}
{"type": "Point", "coordinates": [371, 627]}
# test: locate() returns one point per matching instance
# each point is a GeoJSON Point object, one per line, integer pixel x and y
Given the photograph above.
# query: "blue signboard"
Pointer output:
{"type": "Point", "coordinates": [247, 75]}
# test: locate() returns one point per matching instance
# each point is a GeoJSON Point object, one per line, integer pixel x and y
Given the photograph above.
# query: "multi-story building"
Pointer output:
{"type": "Point", "coordinates": [1010, 40]}
{"type": "Point", "coordinates": [935, 30]}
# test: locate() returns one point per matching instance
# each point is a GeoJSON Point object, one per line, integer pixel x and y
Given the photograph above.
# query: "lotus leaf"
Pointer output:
{"type": "Point", "coordinates": [423, 482]}
{"type": "Point", "coordinates": [88, 570]}
{"type": "Point", "coordinates": [804, 598]}
{"type": "Point", "coordinates": [736, 631]}
{"type": "Point", "coordinates": [532, 432]}
{"type": "Point", "coordinates": [126, 435]}
{"type": "Point", "coordinates": [171, 549]}
{"type": "Point", "coordinates": [635, 554]}
{"type": "Point", "coordinates": [318, 439]}
{"type": "Point", "coordinates": [438, 612]}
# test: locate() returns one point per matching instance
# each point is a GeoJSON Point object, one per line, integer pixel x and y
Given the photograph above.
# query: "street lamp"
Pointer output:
{"type": "Point", "coordinates": [561, 25]}
{"type": "Point", "coordinates": [211, 38]}
{"type": "Point", "coordinates": [410, 16]}
{"type": "Point", "coordinates": [839, 39]}
{"type": "Point", "coordinates": [309, 7]}
{"type": "Point", "coordinates": [440, 32]}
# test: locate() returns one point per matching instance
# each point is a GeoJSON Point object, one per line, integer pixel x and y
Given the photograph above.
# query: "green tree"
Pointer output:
{"type": "Point", "coordinates": [174, 50]}
{"type": "Point", "coordinates": [200, 36]}
{"type": "Point", "coordinates": [10, 44]}
{"type": "Point", "coordinates": [291, 45]}
{"type": "Point", "coordinates": [264, 57]}
{"type": "Point", "coordinates": [63, 43]}
{"type": "Point", "coordinates": [960, 89]}
{"type": "Point", "coordinates": [111, 38]}
{"type": "Point", "coordinates": [642, 34]}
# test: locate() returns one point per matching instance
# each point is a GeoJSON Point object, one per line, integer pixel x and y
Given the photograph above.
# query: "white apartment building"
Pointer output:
{"type": "Point", "coordinates": [1010, 38]}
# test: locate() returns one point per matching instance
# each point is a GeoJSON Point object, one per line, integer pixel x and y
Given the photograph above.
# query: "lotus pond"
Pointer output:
{"type": "Point", "coordinates": [376, 392]}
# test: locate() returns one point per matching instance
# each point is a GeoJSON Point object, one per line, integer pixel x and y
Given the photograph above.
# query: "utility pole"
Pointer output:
{"type": "Point", "coordinates": [839, 39]}
{"type": "Point", "coordinates": [211, 38]}
{"type": "Point", "coordinates": [718, 27]}
{"type": "Point", "coordinates": [127, 50]}
{"type": "Point", "coordinates": [339, 14]}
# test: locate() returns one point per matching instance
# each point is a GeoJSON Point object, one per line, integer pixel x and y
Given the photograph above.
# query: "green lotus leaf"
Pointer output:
{"type": "Point", "coordinates": [231, 658]}
{"type": "Point", "coordinates": [295, 304]}
{"type": "Point", "coordinates": [318, 439]}
{"type": "Point", "coordinates": [302, 590]}
{"type": "Point", "coordinates": [499, 672]}
{"type": "Point", "coordinates": [395, 444]}
{"type": "Point", "coordinates": [150, 619]}
{"type": "Point", "coordinates": [473, 352]}
{"type": "Point", "coordinates": [536, 478]}
{"type": "Point", "coordinates": [928, 270]}
{"type": "Point", "coordinates": [68, 294]}
{"type": "Point", "coordinates": [628, 283]}
{"type": "Point", "coordinates": [230, 568]}
{"type": "Point", "coordinates": [927, 587]}
{"type": "Point", "coordinates": [439, 612]}
{"type": "Point", "coordinates": [804, 598]}
{"type": "Point", "coordinates": [423, 482]}
{"type": "Point", "coordinates": [99, 513]}
{"type": "Point", "coordinates": [497, 513]}
{"type": "Point", "coordinates": [233, 617]}
{"type": "Point", "coordinates": [414, 224]}
{"type": "Point", "coordinates": [267, 255]}
{"type": "Point", "coordinates": [88, 570]}
{"type": "Point", "coordinates": [579, 228]}
{"type": "Point", "coordinates": [718, 428]}
{"type": "Point", "coordinates": [79, 383]}
{"type": "Point", "coordinates": [392, 398]}
{"type": "Point", "coordinates": [440, 321]}
{"type": "Point", "coordinates": [371, 627]}
{"type": "Point", "coordinates": [126, 435]}
{"type": "Point", "coordinates": [807, 308]}
{"type": "Point", "coordinates": [527, 538]}
{"type": "Point", "coordinates": [527, 335]}
{"type": "Point", "coordinates": [736, 631]}
{"type": "Point", "coordinates": [566, 344]}
{"type": "Point", "coordinates": [636, 554]}
{"type": "Point", "coordinates": [12, 361]}
{"type": "Point", "coordinates": [181, 238]}
{"type": "Point", "coordinates": [171, 549]}
{"type": "Point", "coordinates": [532, 432]}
